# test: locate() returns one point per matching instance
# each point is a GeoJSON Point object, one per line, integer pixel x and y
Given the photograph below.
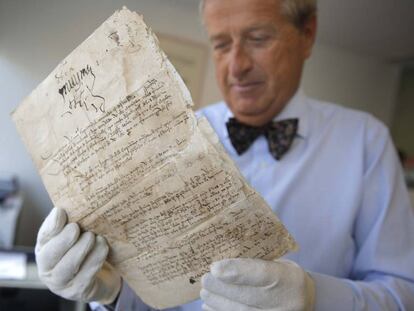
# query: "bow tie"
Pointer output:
{"type": "Point", "coordinates": [279, 135]}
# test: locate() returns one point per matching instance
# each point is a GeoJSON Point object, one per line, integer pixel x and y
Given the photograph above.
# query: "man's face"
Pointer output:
{"type": "Point", "coordinates": [258, 54]}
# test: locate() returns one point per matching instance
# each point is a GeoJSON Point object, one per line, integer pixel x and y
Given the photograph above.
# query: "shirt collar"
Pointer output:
{"type": "Point", "coordinates": [295, 108]}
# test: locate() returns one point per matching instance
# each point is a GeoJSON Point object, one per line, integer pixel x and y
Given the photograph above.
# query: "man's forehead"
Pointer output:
{"type": "Point", "coordinates": [240, 14]}
{"type": "Point", "coordinates": [234, 2]}
{"type": "Point", "coordinates": [260, 26]}
{"type": "Point", "coordinates": [232, 6]}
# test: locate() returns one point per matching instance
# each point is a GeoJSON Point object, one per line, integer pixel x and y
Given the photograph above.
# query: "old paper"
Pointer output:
{"type": "Point", "coordinates": [117, 145]}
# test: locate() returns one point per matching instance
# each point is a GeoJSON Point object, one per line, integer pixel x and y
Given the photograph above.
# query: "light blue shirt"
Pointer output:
{"type": "Point", "coordinates": [340, 192]}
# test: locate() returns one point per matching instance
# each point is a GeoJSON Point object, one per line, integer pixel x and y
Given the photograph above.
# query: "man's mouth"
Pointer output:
{"type": "Point", "coordinates": [246, 87]}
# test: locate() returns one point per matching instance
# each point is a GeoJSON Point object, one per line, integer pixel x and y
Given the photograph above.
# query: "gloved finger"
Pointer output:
{"type": "Point", "coordinates": [219, 303]}
{"type": "Point", "coordinates": [110, 283]}
{"type": "Point", "coordinates": [52, 252]}
{"type": "Point", "coordinates": [51, 226]}
{"type": "Point", "coordinates": [244, 271]}
{"type": "Point", "coordinates": [91, 266]}
{"type": "Point", "coordinates": [248, 295]}
{"type": "Point", "coordinates": [66, 269]}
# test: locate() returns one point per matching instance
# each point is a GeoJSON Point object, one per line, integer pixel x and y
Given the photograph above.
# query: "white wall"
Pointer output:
{"type": "Point", "coordinates": [352, 80]}
{"type": "Point", "coordinates": [36, 34]}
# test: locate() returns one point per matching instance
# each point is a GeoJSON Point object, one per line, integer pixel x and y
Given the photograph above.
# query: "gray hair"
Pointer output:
{"type": "Point", "coordinates": [297, 11]}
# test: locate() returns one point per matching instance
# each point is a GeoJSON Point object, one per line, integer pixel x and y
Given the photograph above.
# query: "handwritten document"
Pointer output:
{"type": "Point", "coordinates": [113, 135]}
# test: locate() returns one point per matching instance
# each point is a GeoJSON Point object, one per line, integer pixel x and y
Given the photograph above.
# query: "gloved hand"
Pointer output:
{"type": "Point", "coordinates": [71, 264]}
{"type": "Point", "coordinates": [254, 284]}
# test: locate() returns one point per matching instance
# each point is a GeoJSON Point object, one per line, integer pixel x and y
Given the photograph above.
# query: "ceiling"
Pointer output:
{"type": "Point", "coordinates": [380, 28]}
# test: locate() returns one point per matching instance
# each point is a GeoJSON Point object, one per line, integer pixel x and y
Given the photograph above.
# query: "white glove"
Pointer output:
{"type": "Point", "coordinates": [254, 284]}
{"type": "Point", "coordinates": [71, 264]}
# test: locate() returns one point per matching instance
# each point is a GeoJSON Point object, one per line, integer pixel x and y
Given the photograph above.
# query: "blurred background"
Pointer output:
{"type": "Point", "coordinates": [363, 58]}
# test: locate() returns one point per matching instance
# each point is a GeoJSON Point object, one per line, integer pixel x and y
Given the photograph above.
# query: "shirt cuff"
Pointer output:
{"type": "Point", "coordinates": [332, 293]}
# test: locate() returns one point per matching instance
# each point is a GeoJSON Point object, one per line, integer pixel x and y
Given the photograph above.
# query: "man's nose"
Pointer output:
{"type": "Point", "coordinates": [240, 61]}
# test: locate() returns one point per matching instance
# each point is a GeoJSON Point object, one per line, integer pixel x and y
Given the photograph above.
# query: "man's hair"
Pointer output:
{"type": "Point", "coordinates": [297, 11]}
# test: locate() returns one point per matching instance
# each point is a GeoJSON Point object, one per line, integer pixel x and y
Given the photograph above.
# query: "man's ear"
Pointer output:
{"type": "Point", "coordinates": [309, 34]}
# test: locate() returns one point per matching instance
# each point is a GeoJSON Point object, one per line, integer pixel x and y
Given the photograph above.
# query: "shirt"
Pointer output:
{"type": "Point", "coordinates": [340, 192]}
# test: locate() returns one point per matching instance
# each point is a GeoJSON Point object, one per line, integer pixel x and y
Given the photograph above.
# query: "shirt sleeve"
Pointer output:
{"type": "Point", "coordinates": [127, 300]}
{"type": "Point", "coordinates": [382, 277]}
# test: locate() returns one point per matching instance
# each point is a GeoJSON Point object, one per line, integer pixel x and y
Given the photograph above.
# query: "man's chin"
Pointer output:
{"type": "Point", "coordinates": [252, 119]}
{"type": "Point", "coordinates": [247, 106]}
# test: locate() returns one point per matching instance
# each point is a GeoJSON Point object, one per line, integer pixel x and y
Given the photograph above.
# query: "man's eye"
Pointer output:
{"type": "Point", "coordinates": [220, 45]}
{"type": "Point", "coordinates": [259, 39]}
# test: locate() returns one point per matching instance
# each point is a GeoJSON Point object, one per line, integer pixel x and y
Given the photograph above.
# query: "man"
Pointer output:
{"type": "Point", "coordinates": [339, 189]}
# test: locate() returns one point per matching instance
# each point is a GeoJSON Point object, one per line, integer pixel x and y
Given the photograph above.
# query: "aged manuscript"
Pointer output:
{"type": "Point", "coordinates": [113, 135]}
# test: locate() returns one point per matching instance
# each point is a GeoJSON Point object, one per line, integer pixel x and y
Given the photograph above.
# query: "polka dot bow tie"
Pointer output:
{"type": "Point", "coordinates": [279, 135]}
